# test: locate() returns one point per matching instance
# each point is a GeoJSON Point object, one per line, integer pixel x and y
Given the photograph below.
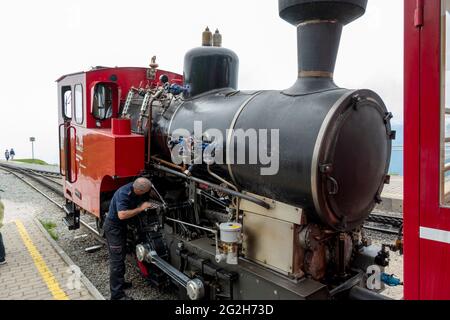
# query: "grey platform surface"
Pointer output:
{"type": "Point", "coordinates": [393, 196]}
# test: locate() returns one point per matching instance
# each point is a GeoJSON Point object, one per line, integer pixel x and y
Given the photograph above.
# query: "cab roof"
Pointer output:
{"type": "Point", "coordinates": [94, 69]}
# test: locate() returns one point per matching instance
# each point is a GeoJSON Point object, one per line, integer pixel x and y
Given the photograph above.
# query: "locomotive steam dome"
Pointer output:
{"type": "Point", "coordinates": [210, 66]}
{"type": "Point", "coordinates": [334, 143]}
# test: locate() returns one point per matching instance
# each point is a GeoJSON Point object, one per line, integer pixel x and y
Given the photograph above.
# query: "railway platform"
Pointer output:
{"type": "Point", "coordinates": [393, 196]}
{"type": "Point", "coordinates": [36, 268]}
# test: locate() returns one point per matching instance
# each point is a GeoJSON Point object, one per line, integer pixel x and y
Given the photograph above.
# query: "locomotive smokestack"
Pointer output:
{"type": "Point", "coordinates": [319, 27]}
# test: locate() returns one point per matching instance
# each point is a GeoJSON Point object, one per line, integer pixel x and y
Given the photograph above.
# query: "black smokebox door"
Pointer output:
{"type": "Point", "coordinates": [353, 167]}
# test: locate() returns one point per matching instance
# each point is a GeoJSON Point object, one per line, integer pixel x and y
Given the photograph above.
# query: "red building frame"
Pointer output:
{"type": "Point", "coordinates": [427, 223]}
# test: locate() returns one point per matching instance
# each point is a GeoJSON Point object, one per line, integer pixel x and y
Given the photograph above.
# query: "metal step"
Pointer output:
{"type": "Point", "coordinates": [72, 218]}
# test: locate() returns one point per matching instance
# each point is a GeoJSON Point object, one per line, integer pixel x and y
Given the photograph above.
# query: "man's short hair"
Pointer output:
{"type": "Point", "coordinates": [142, 184]}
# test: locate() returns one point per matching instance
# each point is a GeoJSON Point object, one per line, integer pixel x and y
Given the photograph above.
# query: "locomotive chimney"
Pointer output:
{"type": "Point", "coordinates": [319, 27]}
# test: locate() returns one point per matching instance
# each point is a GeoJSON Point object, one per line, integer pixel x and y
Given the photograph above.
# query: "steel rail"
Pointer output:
{"type": "Point", "coordinates": [9, 166]}
{"type": "Point", "coordinates": [47, 177]}
{"type": "Point", "coordinates": [53, 188]}
{"type": "Point", "coordinates": [382, 230]}
{"type": "Point", "coordinates": [386, 220]}
{"type": "Point", "coordinates": [32, 186]}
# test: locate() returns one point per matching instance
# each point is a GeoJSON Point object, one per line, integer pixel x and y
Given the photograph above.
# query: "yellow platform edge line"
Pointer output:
{"type": "Point", "coordinates": [44, 271]}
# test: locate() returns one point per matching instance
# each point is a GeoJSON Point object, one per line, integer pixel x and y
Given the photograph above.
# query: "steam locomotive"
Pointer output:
{"type": "Point", "coordinates": [260, 194]}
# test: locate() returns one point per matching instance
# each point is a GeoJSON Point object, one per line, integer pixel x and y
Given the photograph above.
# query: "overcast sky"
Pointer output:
{"type": "Point", "coordinates": [42, 40]}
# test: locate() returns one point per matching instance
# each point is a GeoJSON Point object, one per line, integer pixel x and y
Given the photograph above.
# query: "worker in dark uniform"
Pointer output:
{"type": "Point", "coordinates": [128, 202]}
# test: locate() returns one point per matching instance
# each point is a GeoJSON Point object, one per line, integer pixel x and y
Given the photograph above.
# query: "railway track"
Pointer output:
{"type": "Point", "coordinates": [378, 222]}
{"type": "Point", "coordinates": [43, 179]}
{"type": "Point", "coordinates": [52, 176]}
{"type": "Point", "coordinates": [383, 223]}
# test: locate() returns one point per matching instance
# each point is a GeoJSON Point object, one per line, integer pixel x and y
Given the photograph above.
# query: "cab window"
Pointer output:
{"type": "Point", "coordinates": [67, 102]}
{"type": "Point", "coordinates": [79, 104]}
{"type": "Point", "coordinates": [102, 103]}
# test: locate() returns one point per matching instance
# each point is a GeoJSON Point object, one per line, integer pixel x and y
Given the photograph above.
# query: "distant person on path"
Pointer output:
{"type": "Point", "coordinates": [2, 247]}
{"type": "Point", "coordinates": [7, 155]}
{"type": "Point", "coordinates": [12, 154]}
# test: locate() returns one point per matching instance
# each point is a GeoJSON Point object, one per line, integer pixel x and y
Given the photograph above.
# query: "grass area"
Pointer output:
{"type": "Point", "coordinates": [35, 161]}
{"type": "Point", "coordinates": [50, 227]}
